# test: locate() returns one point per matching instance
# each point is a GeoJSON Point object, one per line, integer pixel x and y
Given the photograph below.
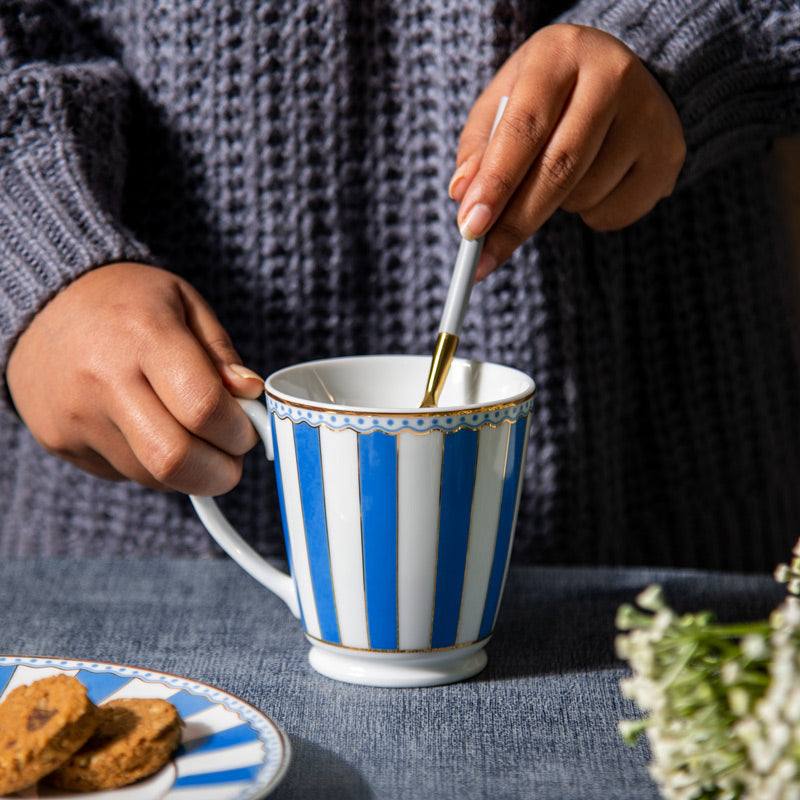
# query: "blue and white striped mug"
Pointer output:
{"type": "Point", "coordinates": [398, 520]}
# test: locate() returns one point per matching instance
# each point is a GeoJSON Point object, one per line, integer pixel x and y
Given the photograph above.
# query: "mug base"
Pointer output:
{"type": "Point", "coordinates": [397, 670]}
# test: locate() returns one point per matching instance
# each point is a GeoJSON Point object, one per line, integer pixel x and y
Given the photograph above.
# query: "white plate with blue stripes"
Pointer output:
{"type": "Point", "coordinates": [229, 750]}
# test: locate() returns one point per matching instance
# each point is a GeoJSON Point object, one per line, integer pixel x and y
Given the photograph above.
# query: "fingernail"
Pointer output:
{"type": "Point", "coordinates": [456, 186]}
{"type": "Point", "coordinates": [243, 372]}
{"type": "Point", "coordinates": [487, 264]}
{"type": "Point", "coordinates": [477, 221]}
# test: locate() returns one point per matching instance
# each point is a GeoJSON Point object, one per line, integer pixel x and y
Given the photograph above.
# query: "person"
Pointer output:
{"type": "Point", "coordinates": [198, 193]}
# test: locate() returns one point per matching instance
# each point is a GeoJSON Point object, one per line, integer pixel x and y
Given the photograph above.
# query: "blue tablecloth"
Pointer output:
{"type": "Point", "coordinates": [540, 722]}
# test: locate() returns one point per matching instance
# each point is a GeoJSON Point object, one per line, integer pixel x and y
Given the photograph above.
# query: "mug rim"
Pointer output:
{"type": "Point", "coordinates": [494, 405]}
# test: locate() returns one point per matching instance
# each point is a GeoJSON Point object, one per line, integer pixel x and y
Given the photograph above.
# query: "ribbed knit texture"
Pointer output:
{"type": "Point", "coordinates": [291, 161]}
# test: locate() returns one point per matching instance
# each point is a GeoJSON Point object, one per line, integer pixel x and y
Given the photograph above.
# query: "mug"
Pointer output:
{"type": "Point", "coordinates": [398, 521]}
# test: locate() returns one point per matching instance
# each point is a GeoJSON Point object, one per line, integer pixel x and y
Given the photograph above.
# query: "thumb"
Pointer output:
{"type": "Point", "coordinates": [202, 321]}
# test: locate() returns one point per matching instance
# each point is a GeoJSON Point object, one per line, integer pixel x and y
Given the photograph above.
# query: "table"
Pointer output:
{"type": "Point", "coordinates": [538, 723]}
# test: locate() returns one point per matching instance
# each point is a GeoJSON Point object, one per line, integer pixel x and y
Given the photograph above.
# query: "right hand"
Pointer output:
{"type": "Point", "coordinates": [127, 373]}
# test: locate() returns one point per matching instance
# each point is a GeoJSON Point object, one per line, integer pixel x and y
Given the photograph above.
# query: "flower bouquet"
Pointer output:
{"type": "Point", "coordinates": [721, 701]}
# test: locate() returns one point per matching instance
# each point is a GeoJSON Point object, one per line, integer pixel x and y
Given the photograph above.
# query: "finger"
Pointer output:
{"type": "Point", "coordinates": [111, 447]}
{"type": "Point", "coordinates": [615, 158]}
{"type": "Point", "coordinates": [534, 108]}
{"type": "Point", "coordinates": [89, 461]}
{"type": "Point", "coordinates": [567, 156]}
{"type": "Point", "coordinates": [475, 133]}
{"type": "Point", "coordinates": [633, 197]}
{"type": "Point", "coordinates": [167, 450]}
{"type": "Point", "coordinates": [181, 373]}
{"type": "Point", "coordinates": [203, 322]}
{"type": "Point", "coordinates": [463, 176]}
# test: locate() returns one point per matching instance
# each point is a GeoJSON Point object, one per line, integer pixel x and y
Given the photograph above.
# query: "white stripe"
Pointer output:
{"type": "Point", "coordinates": [516, 511]}
{"type": "Point", "coordinates": [486, 498]}
{"type": "Point", "coordinates": [139, 688]}
{"type": "Point", "coordinates": [419, 474]}
{"type": "Point", "coordinates": [243, 755]}
{"type": "Point", "coordinates": [294, 519]}
{"type": "Point", "coordinates": [339, 452]}
{"type": "Point", "coordinates": [212, 720]}
{"type": "Point", "coordinates": [25, 676]}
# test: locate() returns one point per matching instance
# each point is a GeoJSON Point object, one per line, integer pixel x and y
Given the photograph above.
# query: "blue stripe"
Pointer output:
{"type": "Point", "coordinates": [241, 775]}
{"type": "Point", "coordinates": [5, 677]}
{"type": "Point", "coordinates": [100, 685]}
{"type": "Point", "coordinates": [516, 449]}
{"type": "Point", "coordinates": [312, 497]}
{"type": "Point", "coordinates": [282, 505]}
{"type": "Point", "coordinates": [241, 734]}
{"type": "Point", "coordinates": [187, 703]}
{"type": "Point", "coordinates": [455, 507]}
{"type": "Point", "coordinates": [377, 458]}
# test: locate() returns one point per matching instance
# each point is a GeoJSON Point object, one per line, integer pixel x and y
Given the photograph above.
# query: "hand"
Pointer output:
{"type": "Point", "coordinates": [127, 373]}
{"type": "Point", "coordinates": [587, 129]}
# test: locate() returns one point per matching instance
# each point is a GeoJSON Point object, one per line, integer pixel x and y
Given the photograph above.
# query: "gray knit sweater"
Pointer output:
{"type": "Point", "coordinates": [291, 161]}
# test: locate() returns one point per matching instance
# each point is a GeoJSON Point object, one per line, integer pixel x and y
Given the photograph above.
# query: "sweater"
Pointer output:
{"type": "Point", "coordinates": [291, 161]}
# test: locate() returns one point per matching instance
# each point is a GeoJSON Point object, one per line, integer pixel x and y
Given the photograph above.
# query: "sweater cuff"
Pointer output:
{"type": "Point", "coordinates": [732, 69]}
{"type": "Point", "coordinates": [52, 231]}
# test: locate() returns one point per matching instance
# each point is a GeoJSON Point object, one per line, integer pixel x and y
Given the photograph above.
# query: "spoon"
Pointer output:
{"type": "Point", "coordinates": [455, 306]}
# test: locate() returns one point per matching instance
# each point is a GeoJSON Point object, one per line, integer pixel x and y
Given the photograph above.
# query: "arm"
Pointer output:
{"type": "Point", "coordinates": [62, 161]}
{"type": "Point", "coordinates": [731, 67]}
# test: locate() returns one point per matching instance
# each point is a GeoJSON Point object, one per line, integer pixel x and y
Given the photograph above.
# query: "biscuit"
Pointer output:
{"type": "Point", "coordinates": [134, 739]}
{"type": "Point", "coordinates": [41, 726]}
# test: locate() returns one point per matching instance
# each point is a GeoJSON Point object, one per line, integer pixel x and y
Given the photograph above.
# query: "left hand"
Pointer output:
{"type": "Point", "coordinates": [587, 129]}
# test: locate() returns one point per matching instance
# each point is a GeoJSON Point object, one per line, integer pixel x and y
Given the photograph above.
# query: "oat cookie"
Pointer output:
{"type": "Point", "coordinates": [41, 726]}
{"type": "Point", "coordinates": [134, 739]}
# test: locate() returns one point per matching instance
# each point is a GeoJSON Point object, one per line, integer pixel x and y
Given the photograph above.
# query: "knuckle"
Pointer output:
{"type": "Point", "coordinates": [564, 34]}
{"type": "Point", "coordinates": [525, 125]}
{"type": "Point", "coordinates": [207, 408]}
{"type": "Point", "coordinates": [558, 168]}
{"type": "Point", "coordinates": [145, 326]}
{"type": "Point", "coordinates": [222, 346]}
{"type": "Point", "coordinates": [509, 232]}
{"type": "Point", "coordinates": [498, 184]}
{"type": "Point", "coordinates": [168, 457]}
{"type": "Point", "coordinates": [622, 66]}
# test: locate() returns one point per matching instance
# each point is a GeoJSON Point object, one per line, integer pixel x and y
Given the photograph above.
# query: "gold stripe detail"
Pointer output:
{"type": "Point", "coordinates": [411, 412]}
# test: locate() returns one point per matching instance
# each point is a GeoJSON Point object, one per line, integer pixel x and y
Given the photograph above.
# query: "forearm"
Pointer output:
{"type": "Point", "coordinates": [63, 109]}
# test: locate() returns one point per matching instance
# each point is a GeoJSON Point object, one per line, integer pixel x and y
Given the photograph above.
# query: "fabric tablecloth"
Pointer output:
{"type": "Point", "coordinates": [539, 722]}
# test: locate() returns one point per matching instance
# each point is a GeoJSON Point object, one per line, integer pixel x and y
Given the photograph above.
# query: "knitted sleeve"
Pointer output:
{"type": "Point", "coordinates": [732, 67]}
{"type": "Point", "coordinates": [62, 160]}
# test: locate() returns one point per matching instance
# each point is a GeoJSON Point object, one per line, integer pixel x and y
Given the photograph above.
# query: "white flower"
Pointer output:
{"type": "Point", "coordinates": [791, 612]}
{"type": "Point", "coordinates": [651, 599]}
{"type": "Point", "coordinates": [792, 709]}
{"type": "Point", "coordinates": [622, 646]}
{"type": "Point", "coordinates": [730, 672]}
{"type": "Point", "coordinates": [754, 646]}
{"type": "Point", "coordinates": [739, 701]}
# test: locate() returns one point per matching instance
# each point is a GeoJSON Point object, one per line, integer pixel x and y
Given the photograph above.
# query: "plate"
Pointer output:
{"type": "Point", "coordinates": [229, 750]}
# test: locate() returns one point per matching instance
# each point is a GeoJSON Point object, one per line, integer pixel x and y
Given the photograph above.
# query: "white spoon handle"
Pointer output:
{"type": "Point", "coordinates": [466, 263]}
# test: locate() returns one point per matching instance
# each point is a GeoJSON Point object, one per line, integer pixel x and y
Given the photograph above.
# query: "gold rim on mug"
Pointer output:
{"type": "Point", "coordinates": [441, 412]}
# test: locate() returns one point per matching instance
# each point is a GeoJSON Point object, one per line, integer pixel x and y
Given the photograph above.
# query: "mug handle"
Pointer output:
{"type": "Point", "coordinates": [225, 534]}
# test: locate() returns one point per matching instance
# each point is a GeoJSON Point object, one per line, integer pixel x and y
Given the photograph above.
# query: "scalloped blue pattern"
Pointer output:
{"type": "Point", "coordinates": [393, 424]}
